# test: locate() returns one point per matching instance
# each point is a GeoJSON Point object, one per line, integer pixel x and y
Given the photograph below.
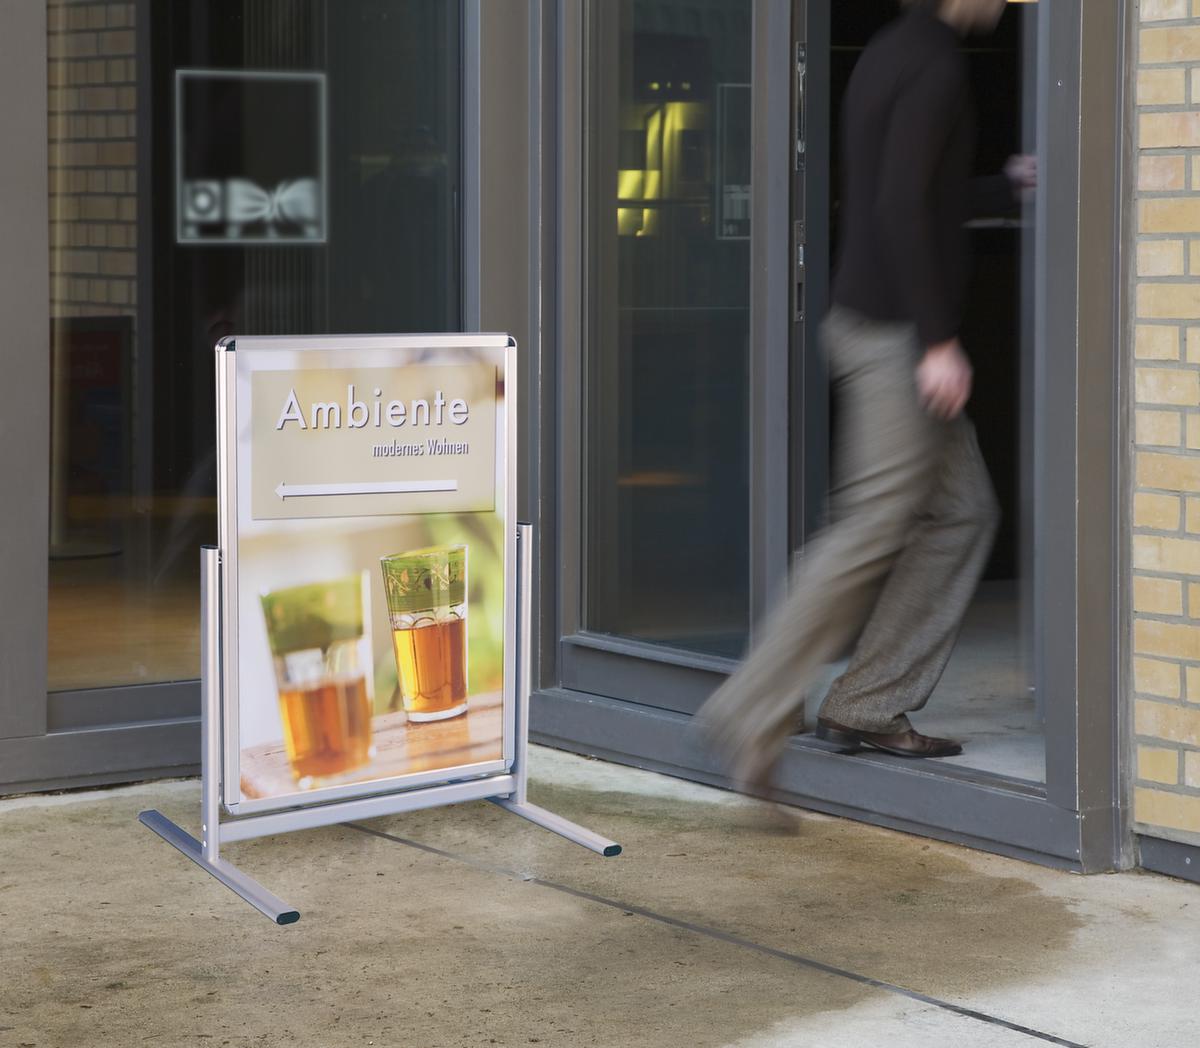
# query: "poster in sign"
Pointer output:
{"type": "Point", "coordinates": [367, 592]}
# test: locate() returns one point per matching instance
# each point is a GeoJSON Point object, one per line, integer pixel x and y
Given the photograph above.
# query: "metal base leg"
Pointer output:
{"type": "Point", "coordinates": [229, 875]}
{"type": "Point", "coordinates": [563, 827]}
{"type": "Point", "coordinates": [515, 802]}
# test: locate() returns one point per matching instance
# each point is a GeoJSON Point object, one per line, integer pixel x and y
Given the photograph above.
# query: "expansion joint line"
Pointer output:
{"type": "Point", "coordinates": [725, 937]}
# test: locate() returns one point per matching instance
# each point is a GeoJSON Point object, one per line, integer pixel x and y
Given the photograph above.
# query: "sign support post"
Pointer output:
{"type": "Point", "coordinates": [206, 852]}
{"type": "Point", "coordinates": [507, 791]}
{"type": "Point", "coordinates": [516, 801]}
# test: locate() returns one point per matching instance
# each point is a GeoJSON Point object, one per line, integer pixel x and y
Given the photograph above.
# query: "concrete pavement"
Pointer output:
{"type": "Point", "coordinates": [466, 926]}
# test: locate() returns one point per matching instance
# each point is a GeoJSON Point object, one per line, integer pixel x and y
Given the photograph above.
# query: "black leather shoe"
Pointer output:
{"type": "Point", "coordinates": [903, 744]}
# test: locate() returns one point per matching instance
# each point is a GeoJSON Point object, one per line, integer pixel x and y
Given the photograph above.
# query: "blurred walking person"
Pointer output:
{"type": "Point", "coordinates": [913, 514]}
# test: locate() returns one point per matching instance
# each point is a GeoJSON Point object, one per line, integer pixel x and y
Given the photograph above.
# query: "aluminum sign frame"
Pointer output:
{"type": "Point", "coordinates": [503, 782]}
{"type": "Point", "coordinates": [236, 359]}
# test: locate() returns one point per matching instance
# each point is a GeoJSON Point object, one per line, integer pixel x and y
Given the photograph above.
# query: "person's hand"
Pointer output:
{"type": "Point", "coordinates": [944, 380]}
{"type": "Point", "coordinates": [1022, 173]}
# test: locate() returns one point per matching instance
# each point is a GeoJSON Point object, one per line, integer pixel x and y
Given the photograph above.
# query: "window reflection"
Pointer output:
{"type": "Point", "coordinates": [668, 343]}
{"type": "Point", "coordinates": [281, 167]}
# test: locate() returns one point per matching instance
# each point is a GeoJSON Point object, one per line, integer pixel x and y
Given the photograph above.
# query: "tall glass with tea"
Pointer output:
{"type": "Point", "coordinates": [427, 604]}
{"type": "Point", "coordinates": [322, 658]}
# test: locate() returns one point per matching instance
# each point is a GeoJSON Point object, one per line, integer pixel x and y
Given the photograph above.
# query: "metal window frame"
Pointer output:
{"type": "Point", "coordinates": [53, 740]}
{"type": "Point", "coordinates": [629, 702]}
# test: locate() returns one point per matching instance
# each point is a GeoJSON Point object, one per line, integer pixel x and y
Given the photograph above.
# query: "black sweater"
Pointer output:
{"type": "Point", "coordinates": [907, 154]}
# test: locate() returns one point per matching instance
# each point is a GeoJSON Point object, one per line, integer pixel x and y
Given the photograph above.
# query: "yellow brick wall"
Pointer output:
{"type": "Point", "coordinates": [1166, 351]}
{"type": "Point", "coordinates": [93, 158]}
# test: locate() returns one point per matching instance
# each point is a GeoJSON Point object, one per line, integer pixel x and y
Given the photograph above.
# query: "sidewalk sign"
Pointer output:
{"type": "Point", "coordinates": [365, 616]}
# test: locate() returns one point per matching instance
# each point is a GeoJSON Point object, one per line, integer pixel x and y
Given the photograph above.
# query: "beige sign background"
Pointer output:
{"type": "Point", "coordinates": [351, 442]}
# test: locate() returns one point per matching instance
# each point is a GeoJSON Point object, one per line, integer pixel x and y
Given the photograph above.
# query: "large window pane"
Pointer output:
{"type": "Point", "coordinates": [669, 276]}
{"type": "Point", "coordinates": [218, 167]}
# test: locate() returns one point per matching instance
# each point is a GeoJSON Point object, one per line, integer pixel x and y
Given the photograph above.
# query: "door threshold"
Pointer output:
{"type": "Point", "coordinates": [925, 766]}
{"type": "Point", "coordinates": [1010, 817]}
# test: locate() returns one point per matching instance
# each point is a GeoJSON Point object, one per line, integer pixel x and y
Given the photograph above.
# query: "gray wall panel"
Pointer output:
{"type": "Point", "coordinates": [25, 359]}
{"type": "Point", "coordinates": [1169, 857]}
{"type": "Point", "coordinates": [101, 755]}
{"type": "Point", "coordinates": [507, 236]}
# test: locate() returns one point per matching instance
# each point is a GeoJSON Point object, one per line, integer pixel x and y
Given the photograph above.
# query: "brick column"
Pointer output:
{"type": "Point", "coordinates": [1166, 349]}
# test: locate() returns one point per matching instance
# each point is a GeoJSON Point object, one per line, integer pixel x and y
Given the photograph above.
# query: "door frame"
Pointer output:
{"type": "Point", "coordinates": [630, 702]}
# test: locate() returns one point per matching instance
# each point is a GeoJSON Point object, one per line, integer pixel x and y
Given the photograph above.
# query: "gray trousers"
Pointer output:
{"type": "Point", "coordinates": [913, 517]}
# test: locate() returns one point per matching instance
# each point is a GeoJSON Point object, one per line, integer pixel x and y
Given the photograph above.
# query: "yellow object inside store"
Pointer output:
{"type": "Point", "coordinates": [642, 192]}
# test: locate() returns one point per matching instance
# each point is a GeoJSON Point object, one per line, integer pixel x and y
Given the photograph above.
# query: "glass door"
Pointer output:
{"type": "Point", "coordinates": [668, 333]}
{"type": "Point", "coordinates": [659, 598]}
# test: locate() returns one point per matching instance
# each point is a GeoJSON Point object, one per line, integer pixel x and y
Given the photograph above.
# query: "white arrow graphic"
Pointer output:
{"type": "Point", "coordinates": [390, 487]}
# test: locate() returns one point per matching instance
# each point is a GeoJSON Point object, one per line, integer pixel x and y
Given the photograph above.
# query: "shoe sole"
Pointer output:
{"type": "Point", "coordinates": [848, 743]}
{"type": "Point", "coordinates": [845, 742]}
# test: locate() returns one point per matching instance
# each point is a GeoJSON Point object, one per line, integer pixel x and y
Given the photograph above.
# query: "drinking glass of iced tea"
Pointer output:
{"type": "Point", "coordinates": [427, 604]}
{"type": "Point", "coordinates": [322, 659]}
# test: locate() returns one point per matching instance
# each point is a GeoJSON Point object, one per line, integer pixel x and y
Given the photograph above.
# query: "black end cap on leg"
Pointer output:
{"type": "Point", "coordinates": [288, 917]}
{"type": "Point", "coordinates": [612, 850]}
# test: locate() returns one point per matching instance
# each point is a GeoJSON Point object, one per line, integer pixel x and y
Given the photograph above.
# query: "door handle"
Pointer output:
{"type": "Point", "coordinates": [800, 275]}
{"type": "Point", "coordinates": [801, 105]}
{"type": "Point", "coordinates": [799, 233]}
